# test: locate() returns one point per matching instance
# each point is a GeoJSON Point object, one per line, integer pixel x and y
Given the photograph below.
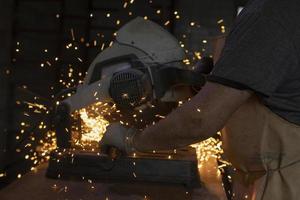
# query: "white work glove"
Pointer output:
{"type": "Point", "coordinates": [118, 136]}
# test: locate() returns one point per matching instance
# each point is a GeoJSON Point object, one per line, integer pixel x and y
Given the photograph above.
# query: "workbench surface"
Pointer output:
{"type": "Point", "coordinates": [35, 186]}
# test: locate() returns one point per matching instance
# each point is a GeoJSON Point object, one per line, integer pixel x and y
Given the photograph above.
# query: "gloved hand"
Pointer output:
{"type": "Point", "coordinates": [118, 136]}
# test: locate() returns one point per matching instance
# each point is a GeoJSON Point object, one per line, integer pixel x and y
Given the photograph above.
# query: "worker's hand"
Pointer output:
{"type": "Point", "coordinates": [118, 136]}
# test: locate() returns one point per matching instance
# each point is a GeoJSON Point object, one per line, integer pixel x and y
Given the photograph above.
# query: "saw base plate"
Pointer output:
{"type": "Point", "coordinates": [162, 167]}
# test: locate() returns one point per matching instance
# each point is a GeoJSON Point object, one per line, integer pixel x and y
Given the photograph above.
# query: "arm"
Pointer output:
{"type": "Point", "coordinates": [194, 121]}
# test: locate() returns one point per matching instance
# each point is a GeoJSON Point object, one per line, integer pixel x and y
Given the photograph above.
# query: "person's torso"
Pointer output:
{"type": "Point", "coordinates": [285, 101]}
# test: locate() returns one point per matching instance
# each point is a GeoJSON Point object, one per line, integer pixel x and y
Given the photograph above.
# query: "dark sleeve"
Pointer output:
{"type": "Point", "coordinates": [256, 56]}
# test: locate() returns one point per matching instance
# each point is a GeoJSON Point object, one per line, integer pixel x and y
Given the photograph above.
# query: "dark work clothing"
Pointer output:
{"type": "Point", "coordinates": [262, 54]}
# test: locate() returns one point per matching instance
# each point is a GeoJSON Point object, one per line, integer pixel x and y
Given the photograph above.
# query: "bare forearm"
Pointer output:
{"type": "Point", "coordinates": [194, 121]}
{"type": "Point", "coordinates": [179, 129]}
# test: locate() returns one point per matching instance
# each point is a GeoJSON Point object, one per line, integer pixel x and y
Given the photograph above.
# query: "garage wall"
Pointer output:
{"type": "Point", "coordinates": [202, 21]}
{"type": "Point", "coordinates": [5, 50]}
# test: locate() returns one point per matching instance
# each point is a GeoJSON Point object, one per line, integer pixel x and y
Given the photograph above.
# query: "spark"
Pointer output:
{"type": "Point", "coordinates": [72, 34]}
{"type": "Point", "coordinates": [220, 21]}
{"type": "Point", "coordinates": [160, 116]}
{"type": "Point", "coordinates": [207, 149]}
{"type": "Point", "coordinates": [103, 46]}
{"type": "Point", "coordinates": [223, 30]}
{"type": "Point", "coordinates": [198, 55]}
{"type": "Point", "coordinates": [94, 126]}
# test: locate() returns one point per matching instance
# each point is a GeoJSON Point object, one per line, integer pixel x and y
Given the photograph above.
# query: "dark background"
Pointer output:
{"type": "Point", "coordinates": [34, 58]}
